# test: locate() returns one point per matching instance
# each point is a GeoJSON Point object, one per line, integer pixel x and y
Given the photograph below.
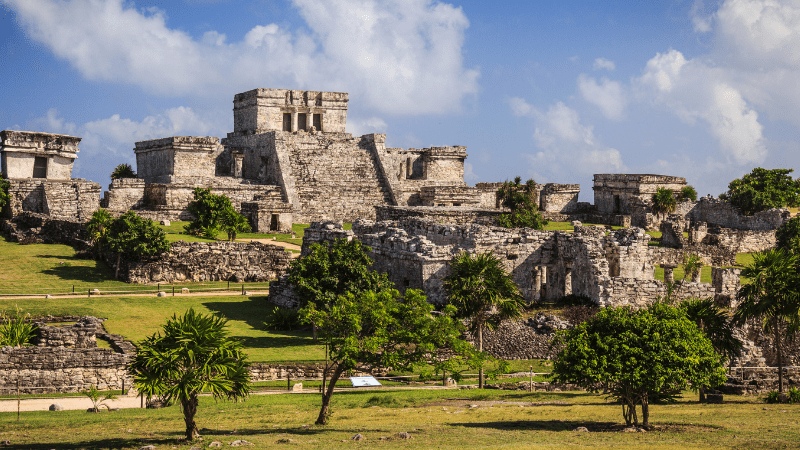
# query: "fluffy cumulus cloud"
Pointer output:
{"type": "Point", "coordinates": [110, 141]}
{"type": "Point", "coordinates": [403, 56]}
{"type": "Point", "coordinates": [607, 95]}
{"type": "Point", "coordinates": [566, 147]}
{"type": "Point", "coordinates": [602, 63]}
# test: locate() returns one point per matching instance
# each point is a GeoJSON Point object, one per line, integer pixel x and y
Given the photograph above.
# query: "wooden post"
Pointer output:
{"type": "Point", "coordinates": [242, 289]}
{"type": "Point", "coordinates": [173, 290]}
{"type": "Point", "coordinates": [288, 381]}
{"type": "Point", "coordinates": [141, 396]}
{"type": "Point", "coordinates": [73, 288]}
{"type": "Point", "coordinates": [123, 387]}
{"type": "Point", "coordinates": [531, 387]}
{"type": "Point", "coordinates": [229, 285]}
{"type": "Point", "coordinates": [18, 400]}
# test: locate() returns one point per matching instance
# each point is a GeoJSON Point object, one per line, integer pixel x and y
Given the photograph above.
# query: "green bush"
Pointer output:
{"type": "Point", "coordinates": [687, 194]}
{"type": "Point", "coordinates": [214, 213]}
{"type": "Point", "coordinates": [664, 201]}
{"type": "Point", "coordinates": [16, 331]}
{"type": "Point", "coordinates": [283, 319]}
{"type": "Point", "coordinates": [763, 189]}
{"type": "Point", "coordinates": [521, 200]}
{"type": "Point", "coordinates": [5, 198]}
{"type": "Point", "coordinates": [792, 396]}
{"type": "Point", "coordinates": [787, 236]}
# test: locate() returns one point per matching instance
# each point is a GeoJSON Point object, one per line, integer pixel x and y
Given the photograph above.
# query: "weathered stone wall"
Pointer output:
{"type": "Point", "coordinates": [208, 261]}
{"type": "Point", "coordinates": [80, 335]}
{"type": "Point", "coordinates": [618, 193]}
{"type": "Point", "coordinates": [442, 214]}
{"type": "Point", "coordinates": [31, 228]}
{"type": "Point", "coordinates": [449, 196]}
{"type": "Point", "coordinates": [124, 194]}
{"type": "Point", "coordinates": [716, 212]}
{"type": "Point", "coordinates": [559, 198]}
{"type": "Point", "coordinates": [262, 110]}
{"type": "Point", "coordinates": [270, 372]}
{"type": "Point", "coordinates": [19, 150]}
{"type": "Point", "coordinates": [75, 199]}
{"type": "Point", "coordinates": [177, 159]}
{"type": "Point", "coordinates": [488, 195]}
{"type": "Point", "coordinates": [515, 339]}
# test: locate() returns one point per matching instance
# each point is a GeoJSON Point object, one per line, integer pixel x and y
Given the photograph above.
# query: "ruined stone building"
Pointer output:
{"type": "Point", "coordinates": [39, 169]}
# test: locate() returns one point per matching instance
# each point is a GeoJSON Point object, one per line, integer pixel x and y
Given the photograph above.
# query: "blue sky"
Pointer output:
{"type": "Point", "coordinates": [555, 91]}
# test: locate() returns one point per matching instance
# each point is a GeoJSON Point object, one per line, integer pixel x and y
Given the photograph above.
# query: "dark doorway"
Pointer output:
{"type": "Point", "coordinates": [302, 122]}
{"type": "Point", "coordinates": [40, 167]}
{"type": "Point", "coordinates": [287, 121]}
{"type": "Point", "coordinates": [318, 122]}
{"type": "Point", "coordinates": [273, 223]}
{"type": "Point", "coordinates": [617, 205]}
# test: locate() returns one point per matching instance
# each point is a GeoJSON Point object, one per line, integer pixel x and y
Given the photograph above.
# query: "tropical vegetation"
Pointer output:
{"type": "Point", "coordinates": [763, 189]}
{"type": "Point", "coordinates": [522, 203]}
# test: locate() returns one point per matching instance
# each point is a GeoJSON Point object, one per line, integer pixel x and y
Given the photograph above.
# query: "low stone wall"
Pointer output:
{"type": "Point", "coordinates": [721, 213]}
{"type": "Point", "coordinates": [33, 228]}
{"type": "Point", "coordinates": [443, 214]}
{"type": "Point", "coordinates": [271, 372]}
{"type": "Point", "coordinates": [516, 340]}
{"type": "Point", "coordinates": [756, 381]}
{"type": "Point", "coordinates": [209, 261]}
{"type": "Point", "coordinates": [68, 199]}
{"type": "Point", "coordinates": [644, 292]}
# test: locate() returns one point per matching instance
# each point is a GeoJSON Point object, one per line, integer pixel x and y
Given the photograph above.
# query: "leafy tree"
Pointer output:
{"type": "Point", "coordinates": [5, 197]}
{"type": "Point", "coordinates": [637, 356]}
{"type": "Point", "coordinates": [98, 400]}
{"type": "Point", "coordinates": [716, 323]}
{"type": "Point", "coordinates": [334, 269]}
{"type": "Point", "coordinates": [687, 194]}
{"type": "Point", "coordinates": [483, 292]}
{"type": "Point", "coordinates": [135, 238]}
{"type": "Point", "coordinates": [97, 228]}
{"type": "Point", "coordinates": [123, 171]}
{"type": "Point", "coordinates": [788, 235]}
{"type": "Point", "coordinates": [520, 199]}
{"type": "Point", "coordinates": [773, 297]}
{"type": "Point", "coordinates": [214, 213]}
{"type": "Point", "coordinates": [664, 201]}
{"type": "Point", "coordinates": [380, 330]}
{"type": "Point", "coordinates": [763, 189]}
{"type": "Point", "coordinates": [195, 355]}
{"type": "Point", "coordinates": [231, 222]}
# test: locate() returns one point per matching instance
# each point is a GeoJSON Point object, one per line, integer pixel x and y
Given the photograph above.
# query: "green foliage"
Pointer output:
{"type": "Point", "coordinates": [282, 319]}
{"type": "Point", "coordinates": [763, 189]}
{"type": "Point", "coordinates": [195, 355]}
{"type": "Point", "coordinates": [334, 269]}
{"type": "Point", "coordinates": [123, 171]}
{"type": "Point", "coordinates": [521, 200]}
{"type": "Point", "coordinates": [788, 235]}
{"type": "Point", "coordinates": [134, 237]}
{"type": "Point", "coordinates": [773, 297]}
{"type": "Point", "coordinates": [482, 291]}
{"type": "Point", "coordinates": [792, 396]}
{"type": "Point", "coordinates": [16, 331]}
{"type": "Point", "coordinates": [98, 400]}
{"type": "Point", "coordinates": [381, 330]}
{"type": "Point", "coordinates": [687, 193]}
{"type": "Point", "coordinates": [231, 222]}
{"type": "Point", "coordinates": [5, 197]}
{"type": "Point", "coordinates": [97, 228]}
{"type": "Point", "coordinates": [692, 265]}
{"type": "Point", "coordinates": [214, 213]}
{"type": "Point", "coordinates": [664, 201]}
{"type": "Point", "coordinates": [637, 356]}
{"type": "Point", "coordinates": [715, 322]}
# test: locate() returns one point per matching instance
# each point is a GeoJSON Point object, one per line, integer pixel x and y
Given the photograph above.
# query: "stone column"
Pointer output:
{"type": "Point", "coordinates": [537, 284]}
{"type": "Point", "coordinates": [294, 121]}
{"type": "Point", "coordinates": [668, 272]}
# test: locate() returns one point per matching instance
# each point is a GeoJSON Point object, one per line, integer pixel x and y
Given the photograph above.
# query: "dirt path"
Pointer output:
{"type": "Point", "coordinates": [288, 245]}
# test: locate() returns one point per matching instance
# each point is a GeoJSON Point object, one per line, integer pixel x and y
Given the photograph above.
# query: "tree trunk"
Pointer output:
{"type": "Point", "coordinates": [324, 412]}
{"type": "Point", "coordinates": [645, 412]}
{"type": "Point", "coordinates": [116, 274]}
{"type": "Point", "coordinates": [189, 410]}
{"type": "Point", "coordinates": [702, 392]}
{"type": "Point", "coordinates": [778, 332]}
{"type": "Point", "coordinates": [480, 349]}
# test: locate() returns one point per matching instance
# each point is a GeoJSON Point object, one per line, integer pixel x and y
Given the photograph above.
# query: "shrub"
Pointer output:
{"type": "Point", "coordinates": [664, 201]}
{"type": "Point", "coordinates": [687, 194]}
{"type": "Point", "coordinates": [5, 198]}
{"type": "Point", "coordinates": [282, 319]}
{"type": "Point", "coordinates": [794, 395]}
{"type": "Point", "coordinates": [214, 213]}
{"type": "Point", "coordinates": [123, 171]}
{"type": "Point", "coordinates": [521, 200]}
{"type": "Point", "coordinates": [16, 331]}
{"type": "Point", "coordinates": [692, 264]}
{"type": "Point", "coordinates": [787, 236]}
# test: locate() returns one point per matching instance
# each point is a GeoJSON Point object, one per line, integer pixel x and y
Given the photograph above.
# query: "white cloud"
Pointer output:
{"type": "Point", "coordinates": [602, 63]}
{"type": "Point", "coordinates": [403, 56]}
{"type": "Point", "coordinates": [519, 106]}
{"type": "Point", "coordinates": [52, 123]}
{"type": "Point", "coordinates": [568, 148]}
{"type": "Point", "coordinates": [360, 127]}
{"type": "Point", "coordinates": [700, 20]}
{"type": "Point", "coordinates": [607, 95]}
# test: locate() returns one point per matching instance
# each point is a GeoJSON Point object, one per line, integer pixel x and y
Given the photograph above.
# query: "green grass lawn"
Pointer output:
{"type": "Point", "coordinates": [435, 419]}
{"type": "Point", "coordinates": [175, 232]}
{"type": "Point", "coordinates": [677, 274]}
{"type": "Point", "coordinates": [137, 317]}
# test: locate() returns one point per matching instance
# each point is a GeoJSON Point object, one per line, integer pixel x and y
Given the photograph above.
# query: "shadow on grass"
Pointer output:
{"type": "Point", "coordinates": [83, 274]}
{"type": "Point", "coordinates": [272, 342]}
{"type": "Point", "coordinates": [252, 311]}
{"type": "Point", "coordinates": [540, 425]}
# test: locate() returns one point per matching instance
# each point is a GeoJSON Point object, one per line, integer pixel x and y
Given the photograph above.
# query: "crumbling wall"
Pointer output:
{"type": "Point", "coordinates": [74, 199]}
{"type": "Point", "coordinates": [208, 261]}
{"type": "Point", "coordinates": [716, 212]}
{"type": "Point", "coordinates": [442, 214]}
{"type": "Point", "coordinates": [31, 228]}
{"type": "Point", "coordinates": [124, 194]}
{"type": "Point", "coordinates": [559, 198]}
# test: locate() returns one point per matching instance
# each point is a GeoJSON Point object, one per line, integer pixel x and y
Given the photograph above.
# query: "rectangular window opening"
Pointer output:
{"type": "Point", "coordinates": [287, 121]}
{"type": "Point", "coordinates": [40, 167]}
{"type": "Point", "coordinates": [318, 122]}
{"type": "Point", "coordinates": [302, 122]}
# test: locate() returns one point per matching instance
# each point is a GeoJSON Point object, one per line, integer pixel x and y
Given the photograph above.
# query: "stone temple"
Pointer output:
{"type": "Point", "coordinates": [289, 159]}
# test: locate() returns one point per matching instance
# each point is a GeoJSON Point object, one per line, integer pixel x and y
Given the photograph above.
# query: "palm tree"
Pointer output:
{"type": "Point", "coordinates": [714, 321]}
{"type": "Point", "coordinates": [772, 296]}
{"type": "Point", "coordinates": [123, 171]}
{"type": "Point", "coordinates": [194, 355]}
{"type": "Point", "coordinates": [664, 201]}
{"type": "Point", "coordinates": [483, 292]}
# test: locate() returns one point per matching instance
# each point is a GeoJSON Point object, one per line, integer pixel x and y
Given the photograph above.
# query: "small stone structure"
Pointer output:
{"type": "Point", "coordinates": [619, 193]}
{"type": "Point", "coordinates": [39, 168]}
{"type": "Point", "coordinates": [32, 228]}
{"type": "Point", "coordinates": [208, 261]}
{"type": "Point", "coordinates": [66, 359]}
